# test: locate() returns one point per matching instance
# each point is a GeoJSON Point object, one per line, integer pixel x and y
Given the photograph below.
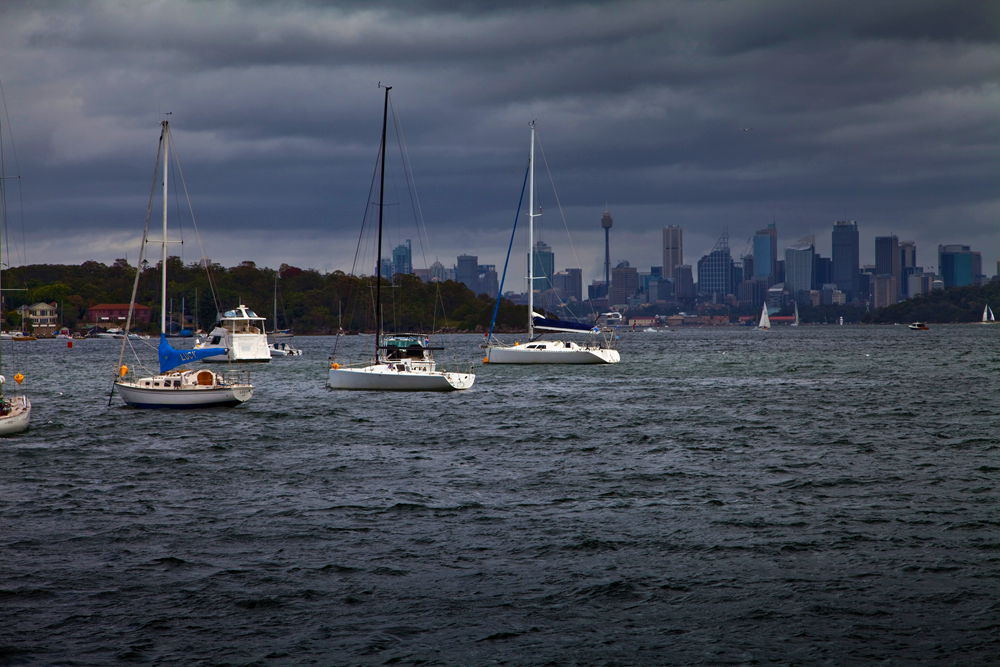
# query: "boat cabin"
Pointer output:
{"type": "Point", "coordinates": [406, 347]}
{"type": "Point", "coordinates": [241, 320]}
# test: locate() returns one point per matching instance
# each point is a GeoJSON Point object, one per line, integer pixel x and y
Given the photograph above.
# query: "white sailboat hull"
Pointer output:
{"type": "Point", "coordinates": [551, 352]}
{"type": "Point", "coordinates": [389, 377]}
{"type": "Point", "coordinates": [183, 390]}
{"type": "Point", "coordinates": [18, 417]}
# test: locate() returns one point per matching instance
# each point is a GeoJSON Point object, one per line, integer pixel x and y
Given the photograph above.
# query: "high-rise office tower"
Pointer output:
{"type": "Point", "coordinates": [467, 271]}
{"type": "Point", "coordinates": [765, 253]}
{"type": "Point", "coordinates": [402, 258]}
{"type": "Point", "coordinates": [907, 264]}
{"type": "Point", "coordinates": [683, 282]}
{"type": "Point", "coordinates": [487, 280]}
{"type": "Point", "coordinates": [673, 249]}
{"type": "Point", "coordinates": [544, 265]}
{"type": "Point", "coordinates": [606, 223]}
{"type": "Point", "coordinates": [569, 284]}
{"type": "Point", "coordinates": [958, 265]}
{"type": "Point", "coordinates": [800, 265]}
{"type": "Point", "coordinates": [624, 284]}
{"type": "Point", "coordinates": [887, 259]}
{"type": "Point", "coordinates": [846, 257]}
{"type": "Point", "coordinates": [715, 270]}
{"type": "Point", "coordinates": [438, 273]}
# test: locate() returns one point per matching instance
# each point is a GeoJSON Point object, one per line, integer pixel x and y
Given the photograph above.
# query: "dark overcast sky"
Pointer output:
{"type": "Point", "coordinates": [708, 115]}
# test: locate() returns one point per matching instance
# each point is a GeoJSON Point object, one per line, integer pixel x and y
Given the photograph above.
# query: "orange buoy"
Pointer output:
{"type": "Point", "coordinates": [19, 378]}
{"type": "Point", "coordinates": [486, 360]}
{"type": "Point", "coordinates": [335, 365]}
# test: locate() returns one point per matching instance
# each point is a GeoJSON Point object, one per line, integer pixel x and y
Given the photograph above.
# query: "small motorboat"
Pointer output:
{"type": "Point", "coordinates": [919, 326]}
{"type": "Point", "coordinates": [284, 350]}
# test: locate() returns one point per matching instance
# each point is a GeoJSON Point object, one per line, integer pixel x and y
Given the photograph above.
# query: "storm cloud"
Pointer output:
{"type": "Point", "coordinates": [715, 116]}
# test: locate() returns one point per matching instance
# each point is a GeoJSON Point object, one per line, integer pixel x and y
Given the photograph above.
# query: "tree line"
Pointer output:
{"type": "Point", "coordinates": [308, 301]}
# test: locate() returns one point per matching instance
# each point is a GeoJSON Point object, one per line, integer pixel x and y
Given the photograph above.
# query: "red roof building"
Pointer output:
{"type": "Point", "coordinates": [114, 314]}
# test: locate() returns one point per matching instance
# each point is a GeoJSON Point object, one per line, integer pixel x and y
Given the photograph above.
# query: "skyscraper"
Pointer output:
{"type": "Point", "coordinates": [673, 249]}
{"type": "Point", "coordinates": [467, 271]}
{"type": "Point", "coordinates": [715, 270]}
{"type": "Point", "coordinates": [683, 282]}
{"type": "Point", "coordinates": [544, 265]}
{"type": "Point", "coordinates": [569, 284]}
{"type": "Point", "coordinates": [487, 281]}
{"type": "Point", "coordinates": [402, 258]}
{"type": "Point", "coordinates": [800, 264]}
{"type": "Point", "coordinates": [846, 257]}
{"type": "Point", "coordinates": [887, 259]}
{"type": "Point", "coordinates": [438, 273]}
{"type": "Point", "coordinates": [907, 264]}
{"type": "Point", "coordinates": [958, 265]}
{"type": "Point", "coordinates": [624, 284]}
{"type": "Point", "coordinates": [765, 253]}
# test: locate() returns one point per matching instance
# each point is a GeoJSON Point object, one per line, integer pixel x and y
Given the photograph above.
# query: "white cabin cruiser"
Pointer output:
{"type": "Point", "coordinates": [241, 332]}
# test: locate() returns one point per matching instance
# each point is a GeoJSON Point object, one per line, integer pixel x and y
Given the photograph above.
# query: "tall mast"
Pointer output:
{"type": "Point", "coordinates": [378, 253]}
{"type": "Point", "coordinates": [531, 235]}
{"type": "Point", "coordinates": [163, 243]}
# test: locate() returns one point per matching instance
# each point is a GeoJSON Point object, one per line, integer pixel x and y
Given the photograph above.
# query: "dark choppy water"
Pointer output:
{"type": "Point", "coordinates": [820, 495]}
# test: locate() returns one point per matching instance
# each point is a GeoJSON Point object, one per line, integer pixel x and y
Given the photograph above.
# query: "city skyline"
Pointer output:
{"type": "Point", "coordinates": [709, 117]}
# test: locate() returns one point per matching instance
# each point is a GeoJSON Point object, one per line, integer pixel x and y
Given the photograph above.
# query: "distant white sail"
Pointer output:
{"type": "Point", "coordinates": [765, 321]}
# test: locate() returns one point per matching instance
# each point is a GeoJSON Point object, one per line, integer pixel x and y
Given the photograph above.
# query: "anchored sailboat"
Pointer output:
{"type": "Point", "coordinates": [173, 387]}
{"type": "Point", "coordinates": [988, 317]}
{"type": "Point", "coordinates": [15, 409]}
{"type": "Point", "coordinates": [537, 351]}
{"type": "Point", "coordinates": [402, 362]}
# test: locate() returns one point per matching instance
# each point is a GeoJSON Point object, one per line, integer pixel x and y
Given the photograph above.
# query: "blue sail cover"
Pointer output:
{"type": "Point", "coordinates": [172, 358]}
{"type": "Point", "coordinates": [562, 325]}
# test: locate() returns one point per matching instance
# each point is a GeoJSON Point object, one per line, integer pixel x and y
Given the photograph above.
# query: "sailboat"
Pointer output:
{"type": "Point", "coordinates": [988, 317]}
{"type": "Point", "coordinates": [278, 344]}
{"type": "Point", "coordinates": [15, 409]}
{"type": "Point", "coordinates": [537, 351]}
{"type": "Point", "coordinates": [276, 333]}
{"type": "Point", "coordinates": [765, 321]}
{"type": "Point", "coordinates": [795, 322]}
{"type": "Point", "coordinates": [402, 362]}
{"type": "Point", "coordinates": [173, 387]}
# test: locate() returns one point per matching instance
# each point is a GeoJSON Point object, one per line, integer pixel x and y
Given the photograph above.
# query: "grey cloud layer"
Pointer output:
{"type": "Point", "coordinates": [710, 115]}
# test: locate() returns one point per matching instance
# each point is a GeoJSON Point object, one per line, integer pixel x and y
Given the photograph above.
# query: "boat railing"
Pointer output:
{"type": "Point", "coordinates": [234, 377]}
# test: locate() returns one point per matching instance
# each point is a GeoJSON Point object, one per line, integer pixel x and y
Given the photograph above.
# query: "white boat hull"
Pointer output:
{"type": "Point", "coordinates": [137, 396]}
{"type": "Point", "coordinates": [551, 352]}
{"type": "Point", "coordinates": [284, 350]}
{"type": "Point", "coordinates": [18, 417]}
{"type": "Point", "coordinates": [386, 377]}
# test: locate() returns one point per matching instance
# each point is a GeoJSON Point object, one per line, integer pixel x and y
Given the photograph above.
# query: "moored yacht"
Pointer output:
{"type": "Point", "coordinates": [241, 332]}
{"type": "Point", "coordinates": [401, 362]}
{"type": "Point", "coordinates": [405, 363]}
{"type": "Point", "coordinates": [537, 351]}
{"type": "Point", "coordinates": [172, 387]}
